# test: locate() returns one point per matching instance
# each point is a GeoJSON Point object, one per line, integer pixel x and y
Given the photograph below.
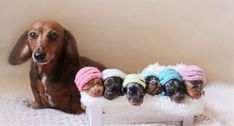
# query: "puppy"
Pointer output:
{"type": "Point", "coordinates": [194, 89]}
{"type": "Point", "coordinates": [172, 85]}
{"type": "Point", "coordinates": [88, 79]}
{"type": "Point", "coordinates": [113, 80]}
{"type": "Point", "coordinates": [94, 88]}
{"type": "Point", "coordinates": [150, 73]}
{"type": "Point", "coordinates": [194, 79]}
{"type": "Point", "coordinates": [55, 61]}
{"type": "Point", "coordinates": [153, 86]}
{"type": "Point", "coordinates": [134, 89]}
{"type": "Point", "coordinates": [175, 90]}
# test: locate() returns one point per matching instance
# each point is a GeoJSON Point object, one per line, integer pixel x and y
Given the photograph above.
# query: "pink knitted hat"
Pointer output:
{"type": "Point", "coordinates": [86, 74]}
{"type": "Point", "coordinates": [191, 73]}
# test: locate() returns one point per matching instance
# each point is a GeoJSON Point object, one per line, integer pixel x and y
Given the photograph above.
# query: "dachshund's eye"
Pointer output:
{"type": "Point", "coordinates": [52, 36]}
{"type": "Point", "coordinates": [33, 35]}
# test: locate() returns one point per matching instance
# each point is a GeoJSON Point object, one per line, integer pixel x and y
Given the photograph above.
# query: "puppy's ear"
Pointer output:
{"type": "Point", "coordinates": [124, 91]}
{"type": "Point", "coordinates": [71, 52]}
{"type": "Point", "coordinates": [20, 52]}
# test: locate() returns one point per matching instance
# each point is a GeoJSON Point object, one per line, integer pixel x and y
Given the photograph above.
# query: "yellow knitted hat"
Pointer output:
{"type": "Point", "coordinates": [134, 78]}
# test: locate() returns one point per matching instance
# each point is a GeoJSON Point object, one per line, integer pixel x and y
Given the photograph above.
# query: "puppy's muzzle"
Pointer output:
{"type": "Point", "coordinates": [178, 97]}
{"type": "Point", "coordinates": [109, 93]}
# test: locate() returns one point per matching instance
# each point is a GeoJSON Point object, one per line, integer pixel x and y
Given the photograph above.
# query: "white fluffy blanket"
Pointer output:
{"type": "Point", "coordinates": [218, 103]}
{"type": "Point", "coordinates": [159, 104]}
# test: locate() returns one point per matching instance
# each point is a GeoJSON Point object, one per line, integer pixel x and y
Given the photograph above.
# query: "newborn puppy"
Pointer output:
{"type": "Point", "coordinates": [153, 86]}
{"type": "Point", "coordinates": [88, 79]}
{"type": "Point", "coordinates": [94, 88]}
{"type": "Point", "coordinates": [175, 90]}
{"type": "Point", "coordinates": [113, 79]}
{"type": "Point", "coordinates": [194, 89]}
{"type": "Point", "coordinates": [112, 87]}
{"type": "Point", "coordinates": [172, 85]}
{"type": "Point", "coordinates": [150, 73]}
{"type": "Point", "coordinates": [194, 79]}
{"type": "Point", "coordinates": [134, 89]}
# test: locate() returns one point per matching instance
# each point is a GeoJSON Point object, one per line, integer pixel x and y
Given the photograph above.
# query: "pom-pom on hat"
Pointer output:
{"type": "Point", "coordinates": [168, 74]}
{"type": "Point", "coordinates": [84, 75]}
{"type": "Point", "coordinates": [134, 78]}
{"type": "Point", "coordinates": [112, 73]}
{"type": "Point", "coordinates": [191, 73]}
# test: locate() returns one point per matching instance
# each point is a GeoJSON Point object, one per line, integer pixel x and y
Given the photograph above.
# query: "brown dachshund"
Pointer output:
{"type": "Point", "coordinates": [55, 61]}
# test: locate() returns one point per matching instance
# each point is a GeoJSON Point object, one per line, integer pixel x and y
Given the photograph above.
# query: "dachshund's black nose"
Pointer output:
{"type": "Point", "coordinates": [39, 55]}
{"type": "Point", "coordinates": [109, 93]}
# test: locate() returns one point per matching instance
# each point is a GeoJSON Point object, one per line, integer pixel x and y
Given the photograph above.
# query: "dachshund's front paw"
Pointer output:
{"type": "Point", "coordinates": [35, 105]}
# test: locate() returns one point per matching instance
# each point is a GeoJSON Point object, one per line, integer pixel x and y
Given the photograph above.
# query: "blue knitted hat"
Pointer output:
{"type": "Point", "coordinates": [147, 73]}
{"type": "Point", "coordinates": [168, 74]}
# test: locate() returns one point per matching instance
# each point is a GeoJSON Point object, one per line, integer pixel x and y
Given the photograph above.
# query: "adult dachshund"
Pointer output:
{"type": "Point", "coordinates": [55, 61]}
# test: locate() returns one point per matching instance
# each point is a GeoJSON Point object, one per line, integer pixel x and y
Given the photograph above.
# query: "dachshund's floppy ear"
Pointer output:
{"type": "Point", "coordinates": [124, 91]}
{"type": "Point", "coordinates": [20, 52]}
{"type": "Point", "coordinates": [71, 52]}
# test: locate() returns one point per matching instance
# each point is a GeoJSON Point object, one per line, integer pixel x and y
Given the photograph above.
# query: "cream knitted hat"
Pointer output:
{"type": "Point", "coordinates": [112, 73]}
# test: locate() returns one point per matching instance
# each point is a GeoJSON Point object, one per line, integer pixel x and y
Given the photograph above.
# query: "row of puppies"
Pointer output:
{"type": "Point", "coordinates": [175, 81]}
{"type": "Point", "coordinates": [111, 83]}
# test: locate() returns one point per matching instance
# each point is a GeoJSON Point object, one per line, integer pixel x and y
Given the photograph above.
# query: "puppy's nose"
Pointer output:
{"type": "Point", "coordinates": [39, 55]}
{"type": "Point", "coordinates": [109, 93]}
{"type": "Point", "coordinates": [179, 98]}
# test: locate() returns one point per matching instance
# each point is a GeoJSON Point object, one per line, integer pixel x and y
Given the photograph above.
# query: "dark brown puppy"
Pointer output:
{"type": "Point", "coordinates": [175, 90]}
{"type": "Point", "coordinates": [112, 87]}
{"type": "Point", "coordinates": [55, 61]}
{"type": "Point", "coordinates": [172, 84]}
{"type": "Point", "coordinates": [153, 86]}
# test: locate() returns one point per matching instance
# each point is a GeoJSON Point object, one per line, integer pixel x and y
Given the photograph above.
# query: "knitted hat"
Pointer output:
{"type": "Point", "coordinates": [168, 74]}
{"type": "Point", "coordinates": [147, 73]}
{"type": "Point", "coordinates": [86, 74]}
{"type": "Point", "coordinates": [134, 78]}
{"type": "Point", "coordinates": [191, 73]}
{"type": "Point", "coordinates": [112, 73]}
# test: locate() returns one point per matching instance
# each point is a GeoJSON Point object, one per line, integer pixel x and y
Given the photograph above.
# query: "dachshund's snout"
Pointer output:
{"type": "Point", "coordinates": [178, 97]}
{"type": "Point", "coordinates": [39, 55]}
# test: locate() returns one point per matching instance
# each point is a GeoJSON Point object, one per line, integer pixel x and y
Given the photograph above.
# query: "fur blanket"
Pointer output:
{"type": "Point", "coordinates": [159, 104]}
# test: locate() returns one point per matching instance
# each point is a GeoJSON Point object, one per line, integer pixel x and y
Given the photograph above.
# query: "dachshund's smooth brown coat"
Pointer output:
{"type": "Point", "coordinates": [55, 61]}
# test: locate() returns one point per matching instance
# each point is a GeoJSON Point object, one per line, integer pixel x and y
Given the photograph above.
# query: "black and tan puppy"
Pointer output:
{"type": "Point", "coordinates": [175, 90]}
{"type": "Point", "coordinates": [153, 86]}
{"type": "Point", "coordinates": [194, 79]}
{"type": "Point", "coordinates": [134, 89]}
{"type": "Point", "coordinates": [113, 80]}
{"type": "Point", "coordinates": [172, 85]}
